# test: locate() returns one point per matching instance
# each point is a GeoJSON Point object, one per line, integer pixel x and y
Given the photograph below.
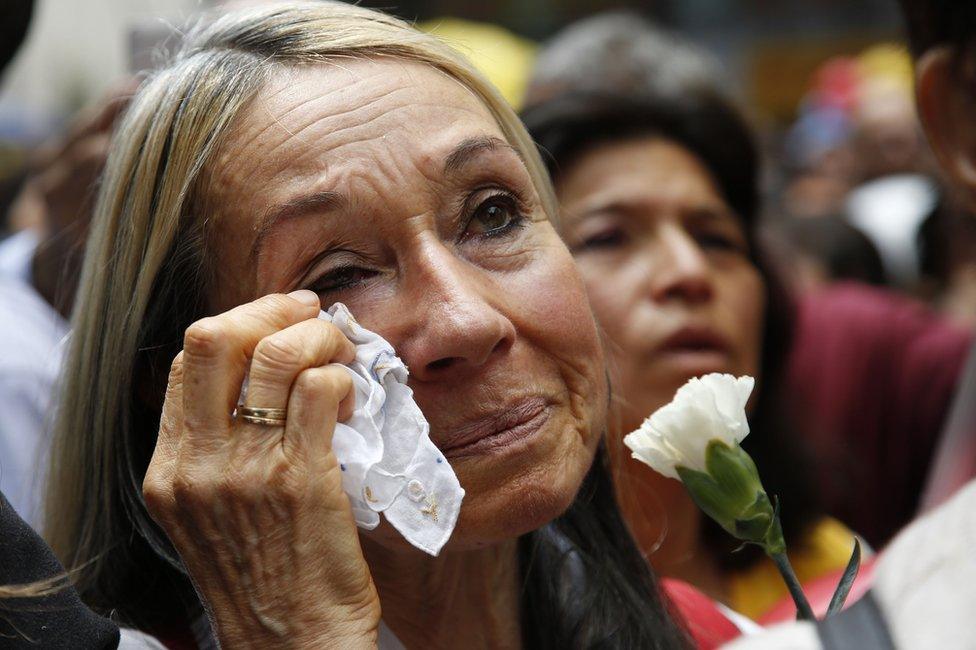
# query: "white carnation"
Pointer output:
{"type": "Point", "coordinates": [704, 409]}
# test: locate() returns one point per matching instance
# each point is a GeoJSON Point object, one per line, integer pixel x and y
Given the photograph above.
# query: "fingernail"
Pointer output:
{"type": "Point", "coordinates": [305, 297]}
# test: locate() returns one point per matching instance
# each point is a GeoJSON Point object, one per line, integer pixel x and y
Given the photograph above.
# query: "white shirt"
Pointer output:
{"type": "Point", "coordinates": [30, 333]}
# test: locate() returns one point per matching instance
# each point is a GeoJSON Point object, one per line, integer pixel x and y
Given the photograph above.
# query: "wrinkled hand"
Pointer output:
{"type": "Point", "coordinates": [257, 512]}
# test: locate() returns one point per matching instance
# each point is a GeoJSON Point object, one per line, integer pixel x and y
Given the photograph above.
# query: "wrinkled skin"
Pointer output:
{"type": "Point", "coordinates": [340, 180]}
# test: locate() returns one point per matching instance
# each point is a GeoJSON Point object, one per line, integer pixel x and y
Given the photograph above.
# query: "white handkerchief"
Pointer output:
{"type": "Point", "coordinates": [388, 461]}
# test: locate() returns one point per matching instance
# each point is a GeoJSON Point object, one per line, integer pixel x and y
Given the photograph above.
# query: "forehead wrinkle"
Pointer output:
{"type": "Point", "coordinates": [390, 89]}
{"type": "Point", "coordinates": [297, 134]}
{"type": "Point", "coordinates": [337, 149]}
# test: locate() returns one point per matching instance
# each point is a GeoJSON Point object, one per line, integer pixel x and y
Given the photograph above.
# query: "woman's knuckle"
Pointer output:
{"type": "Point", "coordinates": [154, 491]}
{"type": "Point", "coordinates": [312, 383]}
{"type": "Point", "coordinates": [278, 353]}
{"type": "Point", "coordinates": [205, 338]}
{"type": "Point", "coordinates": [188, 494]}
{"type": "Point", "coordinates": [183, 494]}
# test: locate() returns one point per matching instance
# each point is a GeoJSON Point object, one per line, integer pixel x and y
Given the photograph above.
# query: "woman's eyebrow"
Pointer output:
{"type": "Point", "coordinates": [711, 213]}
{"type": "Point", "coordinates": [471, 148]}
{"type": "Point", "coordinates": [317, 202]}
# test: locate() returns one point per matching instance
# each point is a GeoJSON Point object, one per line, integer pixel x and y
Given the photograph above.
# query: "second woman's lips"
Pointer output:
{"type": "Point", "coordinates": [695, 339]}
{"type": "Point", "coordinates": [496, 429]}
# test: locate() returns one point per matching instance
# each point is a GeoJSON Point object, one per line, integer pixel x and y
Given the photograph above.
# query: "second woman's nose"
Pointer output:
{"type": "Point", "coordinates": [681, 269]}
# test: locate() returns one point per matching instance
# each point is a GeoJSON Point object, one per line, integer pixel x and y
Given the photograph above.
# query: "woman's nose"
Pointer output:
{"type": "Point", "coordinates": [456, 325]}
{"type": "Point", "coordinates": [681, 270]}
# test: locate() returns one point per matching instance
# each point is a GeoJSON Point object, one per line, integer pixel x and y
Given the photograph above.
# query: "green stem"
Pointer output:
{"type": "Point", "coordinates": [803, 610]}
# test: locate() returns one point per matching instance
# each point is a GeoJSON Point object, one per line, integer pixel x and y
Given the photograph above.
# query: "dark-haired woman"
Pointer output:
{"type": "Point", "coordinates": [659, 201]}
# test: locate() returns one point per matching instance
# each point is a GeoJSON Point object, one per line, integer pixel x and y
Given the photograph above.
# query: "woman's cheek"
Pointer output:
{"type": "Point", "coordinates": [555, 315]}
{"type": "Point", "coordinates": [749, 295]}
{"type": "Point", "coordinates": [612, 298]}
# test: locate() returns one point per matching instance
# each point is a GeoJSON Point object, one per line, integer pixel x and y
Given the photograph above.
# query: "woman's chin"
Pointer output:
{"type": "Point", "coordinates": [516, 488]}
{"type": "Point", "coordinates": [487, 521]}
{"type": "Point", "coordinates": [510, 496]}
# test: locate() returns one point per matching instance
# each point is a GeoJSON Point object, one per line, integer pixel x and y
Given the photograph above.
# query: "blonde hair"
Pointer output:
{"type": "Point", "coordinates": [38, 589]}
{"type": "Point", "coordinates": [145, 276]}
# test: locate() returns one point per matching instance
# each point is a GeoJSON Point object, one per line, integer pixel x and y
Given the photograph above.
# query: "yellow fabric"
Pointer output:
{"type": "Point", "coordinates": [826, 548]}
{"type": "Point", "coordinates": [503, 57]}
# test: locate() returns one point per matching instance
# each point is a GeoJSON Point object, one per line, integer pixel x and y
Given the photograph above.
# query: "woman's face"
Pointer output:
{"type": "Point", "coordinates": [666, 264]}
{"type": "Point", "coordinates": [389, 187]}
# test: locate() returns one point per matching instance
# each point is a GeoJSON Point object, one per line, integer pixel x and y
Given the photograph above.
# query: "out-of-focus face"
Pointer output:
{"type": "Point", "coordinates": [666, 264]}
{"type": "Point", "coordinates": [389, 187]}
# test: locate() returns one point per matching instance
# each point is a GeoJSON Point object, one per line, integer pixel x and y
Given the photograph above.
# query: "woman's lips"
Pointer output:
{"type": "Point", "coordinates": [695, 338]}
{"type": "Point", "coordinates": [696, 349]}
{"type": "Point", "coordinates": [495, 430]}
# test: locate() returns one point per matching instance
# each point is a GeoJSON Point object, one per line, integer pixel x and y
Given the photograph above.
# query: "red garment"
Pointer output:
{"type": "Point", "coordinates": [708, 626]}
{"type": "Point", "coordinates": [876, 373]}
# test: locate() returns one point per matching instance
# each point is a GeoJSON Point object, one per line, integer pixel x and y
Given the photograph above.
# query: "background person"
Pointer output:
{"type": "Point", "coordinates": [39, 269]}
{"type": "Point", "coordinates": [873, 373]}
{"type": "Point", "coordinates": [925, 582]}
{"type": "Point", "coordinates": [657, 209]}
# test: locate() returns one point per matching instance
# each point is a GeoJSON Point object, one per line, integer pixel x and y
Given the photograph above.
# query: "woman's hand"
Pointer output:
{"type": "Point", "coordinates": [256, 511]}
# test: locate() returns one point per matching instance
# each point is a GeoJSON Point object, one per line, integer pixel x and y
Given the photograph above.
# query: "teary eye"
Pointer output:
{"type": "Point", "coordinates": [343, 277]}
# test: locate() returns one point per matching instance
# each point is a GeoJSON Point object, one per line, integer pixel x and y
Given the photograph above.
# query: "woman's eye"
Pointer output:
{"type": "Point", "coordinates": [342, 278]}
{"type": "Point", "coordinates": [494, 217]}
{"type": "Point", "coordinates": [718, 241]}
{"type": "Point", "coordinates": [604, 239]}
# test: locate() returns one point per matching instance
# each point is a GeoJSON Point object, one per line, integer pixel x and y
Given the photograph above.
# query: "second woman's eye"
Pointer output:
{"type": "Point", "coordinates": [720, 241]}
{"type": "Point", "coordinates": [606, 238]}
{"type": "Point", "coordinates": [493, 217]}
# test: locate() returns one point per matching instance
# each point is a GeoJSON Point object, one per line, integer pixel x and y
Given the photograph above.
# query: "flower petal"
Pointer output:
{"type": "Point", "coordinates": [704, 409]}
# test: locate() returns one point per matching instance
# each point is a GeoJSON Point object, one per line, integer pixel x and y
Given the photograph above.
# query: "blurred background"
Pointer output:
{"type": "Point", "coordinates": [850, 190]}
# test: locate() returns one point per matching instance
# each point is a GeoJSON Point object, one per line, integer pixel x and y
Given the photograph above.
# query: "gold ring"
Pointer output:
{"type": "Point", "coordinates": [267, 416]}
{"type": "Point", "coordinates": [273, 422]}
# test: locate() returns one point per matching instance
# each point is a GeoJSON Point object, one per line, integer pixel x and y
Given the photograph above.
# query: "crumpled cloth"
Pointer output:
{"type": "Point", "coordinates": [389, 464]}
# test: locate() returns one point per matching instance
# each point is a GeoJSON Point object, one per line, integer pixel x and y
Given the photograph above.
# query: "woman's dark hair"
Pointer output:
{"type": "Point", "coordinates": [15, 17]}
{"type": "Point", "coordinates": [586, 584]}
{"type": "Point", "coordinates": [711, 128]}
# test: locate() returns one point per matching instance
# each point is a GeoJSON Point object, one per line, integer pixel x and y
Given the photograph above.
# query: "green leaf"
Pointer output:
{"type": "Point", "coordinates": [846, 580]}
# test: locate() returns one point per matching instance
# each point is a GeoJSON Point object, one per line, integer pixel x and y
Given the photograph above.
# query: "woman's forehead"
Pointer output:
{"type": "Point", "coordinates": [309, 119]}
{"type": "Point", "coordinates": [335, 105]}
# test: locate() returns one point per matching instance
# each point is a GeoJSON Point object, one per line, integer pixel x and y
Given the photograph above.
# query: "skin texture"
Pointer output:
{"type": "Point", "coordinates": [661, 253]}
{"type": "Point", "coordinates": [341, 180]}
